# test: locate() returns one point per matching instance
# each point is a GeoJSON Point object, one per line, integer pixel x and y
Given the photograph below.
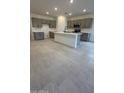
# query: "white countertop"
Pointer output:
{"type": "Point", "coordinates": [65, 33]}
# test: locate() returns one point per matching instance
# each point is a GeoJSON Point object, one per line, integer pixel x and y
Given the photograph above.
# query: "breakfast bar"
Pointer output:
{"type": "Point", "coordinates": [69, 39]}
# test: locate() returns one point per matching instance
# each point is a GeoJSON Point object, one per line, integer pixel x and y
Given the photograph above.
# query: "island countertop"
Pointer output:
{"type": "Point", "coordinates": [70, 39]}
{"type": "Point", "coordinates": [67, 33]}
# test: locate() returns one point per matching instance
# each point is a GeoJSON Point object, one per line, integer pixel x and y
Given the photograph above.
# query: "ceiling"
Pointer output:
{"type": "Point", "coordinates": [43, 6]}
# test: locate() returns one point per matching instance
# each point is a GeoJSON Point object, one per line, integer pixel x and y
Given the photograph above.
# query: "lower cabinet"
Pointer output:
{"type": "Point", "coordinates": [51, 34]}
{"type": "Point", "coordinates": [39, 35]}
{"type": "Point", "coordinates": [85, 37]}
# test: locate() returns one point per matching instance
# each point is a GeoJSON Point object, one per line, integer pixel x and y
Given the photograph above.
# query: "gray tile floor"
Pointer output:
{"type": "Point", "coordinates": [56, 68]}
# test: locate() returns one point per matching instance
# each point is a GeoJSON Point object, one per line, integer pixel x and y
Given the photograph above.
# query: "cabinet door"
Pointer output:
{"type": "Point", "coordinates": [79, 22]}
{"type": "Point", "coordinates": [38, 35]}
{"type": "Point", "coordinates": [50, 24]}
{"type": "Point", "coordinates": [34, 24]}
{"type": "Point", "coordinates": [88, 23]}
{"type": "Point", "coordinates": [68, 24]}
{"type": "Point", "coordinates": [43, 21]}
{"type": "Point", "coordinates": [76, 22]}
{"type": "Point", "coordinates": [54, 24]}
{"type": "Point", "coordinates": [84, 37]}
{"type": "Point", "coordinates": [40, 23]}
{"type": "Point", "coordinates": [82, 23]}
{"type": "Point", "coordinates": [51, 34]}
{"type": "Point", "coordinates": [71, 24]}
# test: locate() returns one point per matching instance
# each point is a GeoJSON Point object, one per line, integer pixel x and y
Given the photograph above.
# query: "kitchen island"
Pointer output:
{"type": "Point", "coordinates": [69, 39]}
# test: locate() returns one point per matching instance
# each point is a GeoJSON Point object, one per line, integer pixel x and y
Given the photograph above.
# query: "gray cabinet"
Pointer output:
{"type": "Point", "coordinates": [52, 24]}
{"type": "Point", "coordinates": [85, 37]}
{"type": "Point", "coordinates": [38, 35]}
{"type": "Point", "coordinates": [36, 22]}
{"type": "Point", "coordinates": [84, 23]}
{"type": "Point", "coordinates": [88, 23]}
{"type": "Point", "coordinates": [51, 34]}
{"type": "Point", "coordinates": [68, 24]}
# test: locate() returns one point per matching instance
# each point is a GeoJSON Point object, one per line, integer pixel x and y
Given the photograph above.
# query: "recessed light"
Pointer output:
{"type": "Point", "coordinates": [71, 1]}
{"type": "Point", "coordinates": [84, 10]}
{"type": "Point", "coordinates": [47, 13]}
{"type": "Point", "coordinates": [70, 14]}
{"type": "Point", "coordinates": [56, 9]}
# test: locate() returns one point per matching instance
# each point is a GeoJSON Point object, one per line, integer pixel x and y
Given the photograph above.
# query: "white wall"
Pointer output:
{"type": "Point", "coordinates": [45, 28]}
{"type": "Point", "coordinates": [61, 23]}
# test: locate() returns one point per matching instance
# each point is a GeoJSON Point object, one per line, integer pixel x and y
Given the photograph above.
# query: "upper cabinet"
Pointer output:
{"type": "Point", "coordinates": [88, 22]}
{"type": "Point", "coordinates": [36, 22]}
{"type": "Point", "coordinates": [84, 23]}
{"type": "Point", "coordinates": [52, 24]}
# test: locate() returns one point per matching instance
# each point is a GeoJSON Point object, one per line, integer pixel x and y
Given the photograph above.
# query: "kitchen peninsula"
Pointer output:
{"type": "Point", "coordinates": [69, 39]}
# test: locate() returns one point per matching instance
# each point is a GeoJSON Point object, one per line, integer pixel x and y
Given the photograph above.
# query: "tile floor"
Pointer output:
{"type": "Point", "coordinates": [56, 68]}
